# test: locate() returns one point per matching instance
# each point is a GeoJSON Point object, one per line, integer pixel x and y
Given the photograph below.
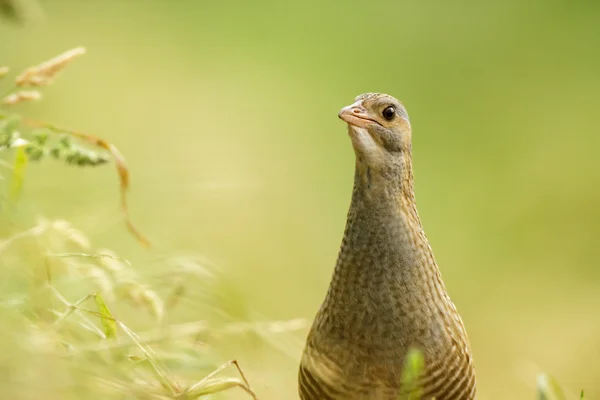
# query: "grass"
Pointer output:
{"type": "Point", "coordinates": [76, 338]}
{"type": "Point", "coordinates": [105, 355]}
{"type": "Point", "coordinates": [82, 339]}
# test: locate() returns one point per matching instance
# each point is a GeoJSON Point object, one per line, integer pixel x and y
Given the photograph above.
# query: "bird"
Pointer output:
{"type": "Point", "coordinates": [386, 295]}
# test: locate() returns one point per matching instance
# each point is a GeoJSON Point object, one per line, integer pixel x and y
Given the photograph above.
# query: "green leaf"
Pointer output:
{"type": "Point", "coordinates": [40, 136]}
{"type": "Point", "coordinates": [19, 166]}
{"type": "Point", "coordinates": [34, 152]}
{"type": "Point", "coordinates": [9, 136]}
{"type": "Point", "coordinates": [108, 322]}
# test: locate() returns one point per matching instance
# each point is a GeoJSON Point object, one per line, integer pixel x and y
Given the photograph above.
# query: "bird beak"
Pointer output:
{"type": "Point", "coordinates": [356, 115]}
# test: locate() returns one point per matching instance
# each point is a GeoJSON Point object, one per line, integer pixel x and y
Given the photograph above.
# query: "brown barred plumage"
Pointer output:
{"type": "Point", "coordinates": [386, 294]}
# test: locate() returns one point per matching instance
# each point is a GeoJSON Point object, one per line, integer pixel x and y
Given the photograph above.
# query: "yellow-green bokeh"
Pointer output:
{"type": "Point", "coordinates": [227, 115]}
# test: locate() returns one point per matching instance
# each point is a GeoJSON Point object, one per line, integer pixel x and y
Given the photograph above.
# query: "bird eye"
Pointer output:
{"type": "Point", "coordinates": [389, 112]}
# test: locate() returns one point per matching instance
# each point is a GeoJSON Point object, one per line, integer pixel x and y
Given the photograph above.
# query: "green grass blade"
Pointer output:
{"type": "Point", "coordinates": [414, 365]}
{"type": "Point", "coordinates": [18, 175]}
{"type": "Point", "coordinates": [108, 321]}
{"type": "Point", "coordinates": [548, 388]}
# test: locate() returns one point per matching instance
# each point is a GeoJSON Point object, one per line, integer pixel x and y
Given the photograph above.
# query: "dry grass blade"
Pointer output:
{"type": "Point", "coordinates": [86, 323]}
{"type": "Point", "coordinates": [209, 385]}
{"type": "Point", "coordinates": [70, 307]}
{"type": "Point", "coordinates": [32, 232]}
{"type": "Point", "coordinates": [4, 71]}
{"type": "Point", "coordinates": [217, 385]}
{"type": "Point", "coordinates": [88, 255]}
{"type": "Point", "coordinates": [160, 370]}
{"type": "Point", "coordinates": [119, 162]}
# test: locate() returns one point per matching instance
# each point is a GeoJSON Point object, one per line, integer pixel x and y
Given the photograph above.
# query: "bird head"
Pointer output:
{"type": "Point", "coordinates": [379, 128]}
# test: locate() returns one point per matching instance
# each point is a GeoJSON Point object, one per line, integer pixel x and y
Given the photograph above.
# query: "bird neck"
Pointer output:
{"type": "Point", "coordinates": [392, 181]}
{"type": "Point", "coordinates": [385, 254]}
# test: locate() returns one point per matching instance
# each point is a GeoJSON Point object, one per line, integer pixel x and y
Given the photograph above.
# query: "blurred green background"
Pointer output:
{"type": "Point", "coordinates": [227, 115]}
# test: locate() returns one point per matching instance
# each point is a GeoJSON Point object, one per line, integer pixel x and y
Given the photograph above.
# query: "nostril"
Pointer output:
{"type": "Point", "coordinates": [356, 111]}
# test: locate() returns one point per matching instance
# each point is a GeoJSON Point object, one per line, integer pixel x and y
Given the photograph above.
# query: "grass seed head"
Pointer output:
{"type": "Point", "coordinates": [21, 96]}
{"type": "Point", "coordinates": [41, 75]}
